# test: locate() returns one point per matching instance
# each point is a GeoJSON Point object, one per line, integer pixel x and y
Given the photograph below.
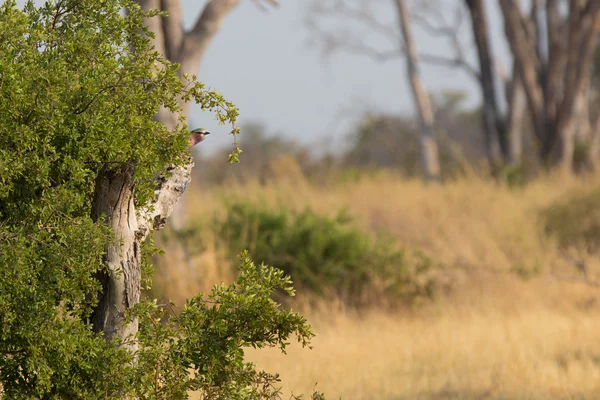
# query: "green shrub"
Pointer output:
{"type": "Point", "coordinates": [80, 84]}
{"type": "Point", "coordinates": [200, 349]}
{"type": "Point", "coordinates": [325, 255]}
{"type": "Point", "coordinates": [575, 221]}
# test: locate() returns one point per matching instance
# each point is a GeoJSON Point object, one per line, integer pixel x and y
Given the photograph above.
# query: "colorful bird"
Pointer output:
{"type": "Point", "coordinates": [197, 135]}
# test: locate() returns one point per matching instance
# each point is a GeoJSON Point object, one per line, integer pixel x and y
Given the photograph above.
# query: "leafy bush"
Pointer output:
{"type": "Point", "coordinates": [201, 349]}
{"type": "Point", "coordinates": [575, 220]}
{"type": "Point", "coordinates": [80, 84]}
{"type": "Point", "coordinates": [326, 255]}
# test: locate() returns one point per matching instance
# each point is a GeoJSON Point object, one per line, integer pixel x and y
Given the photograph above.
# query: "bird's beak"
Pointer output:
{"type": "Point", "coordinates": [207, 133]}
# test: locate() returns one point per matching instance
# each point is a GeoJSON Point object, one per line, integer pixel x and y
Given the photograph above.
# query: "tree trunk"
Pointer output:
{"type": "Point", "coordinates": [429, 149]}
{"type": "Point", "coordinates": [582, 115]}
{"type": "Point", "coordinates": [115, 191]}
{"type": "Point", "coordinates": [514, 120]}
{"type": "Point", "coordinates": [593, 153]}
{"type": "Point", "coordinates": [525, 59]}
{"type": "Point", "coordinates": [114, 201]}
{"type": "Point", "coordinates": [493, 124]}
{"type": "Point", "coordinates": [553, 86]}
{"type": "Point", "coordinates": [584, 27]}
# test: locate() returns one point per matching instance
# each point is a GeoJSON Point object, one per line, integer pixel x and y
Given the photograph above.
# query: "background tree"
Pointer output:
{"type": "Point", "coordinates": [553, 53]}
{"type": "Point", "coordinates": [186, 48]}
{"type": "Point", "coordinates": [400, 33]}
{"type": "Point", "coordinates": [502, 95]}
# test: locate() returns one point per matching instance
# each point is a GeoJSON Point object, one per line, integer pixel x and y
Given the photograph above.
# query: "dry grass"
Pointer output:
{"type": "Point", "coordinates": [494, 336]}
{"type": "Point", "coordinates": [534, 353]}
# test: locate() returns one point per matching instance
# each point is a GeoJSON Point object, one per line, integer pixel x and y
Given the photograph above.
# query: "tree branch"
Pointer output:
{"type": "Point", "coordinates": [450, 62]}
{"type": "Point", "coordinates": [259, 4]}
{"type": "Point", "coordinates": [172, 27]}
{"type": "Point", "coordinates": [344, 41]}
{"type": "Point", "coordinates": [195, 42]}
{"type": "Point", "coordinates": [450, 32]}
{"type": "Point", "coordinates": [153, 216]}
{"type": "Point", "coordinates": [525, 59]}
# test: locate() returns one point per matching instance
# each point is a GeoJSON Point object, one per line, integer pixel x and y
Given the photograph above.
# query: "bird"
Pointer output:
{"type": "Point", "coordinates": [197, 135]}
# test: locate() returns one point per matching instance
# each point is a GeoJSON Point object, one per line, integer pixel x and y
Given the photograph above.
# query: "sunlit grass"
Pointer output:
{"type": "Point", "coordinates": [488, 335]}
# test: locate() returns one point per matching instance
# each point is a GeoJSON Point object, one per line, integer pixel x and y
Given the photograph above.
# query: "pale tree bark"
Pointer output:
{"type": "Point", "coordinates": [121, 282]}
{"type": "Point", "coordinates": [113, 200]}
{"type": "Point", "coordinates": [115, 192]}
{"type": "Point", "coordinates": [399, 33]}
{"type": "Point", "coordinates": [594, 147]}
{"type": "Point", "coordinates": [514, 120]}
{"type": "Point", "coordinates": [429, 149]}
{"type": "Point", "coordinates": [583, 131]}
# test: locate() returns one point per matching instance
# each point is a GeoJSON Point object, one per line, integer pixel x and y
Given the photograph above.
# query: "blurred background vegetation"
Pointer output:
{"type": "Point", "coordinates": [449, 253]}
{"type": "Point", "coordinates": [475, 288]}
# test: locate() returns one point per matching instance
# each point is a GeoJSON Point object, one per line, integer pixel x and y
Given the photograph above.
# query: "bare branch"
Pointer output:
{"type": "Point", "coordinates": [450, 32]}
{"type": "Point", "coordinates": [262, 7]}
{"type": "Point", "coordinates": [351, 14]}
{"type": "Point", "coordinates": [433, 30]}
{"type": "Point", "coordinates": [195, 42]}
{"type": "Point", "coordinates": [346, 41]}
{"type": "Point", "coordinates": [450, 62]}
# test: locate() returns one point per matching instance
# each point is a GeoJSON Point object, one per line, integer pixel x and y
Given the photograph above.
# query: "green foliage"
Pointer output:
{"type": "Point", "coordinates": [513, 176]}
{"type": "Point", "coordinates": [575, 221]}
{"type": "Point", "coordinates": [79, 86]}
{"type": "Point", "coordinates": [326, 255]}
{"type": "Point", "coordinates": [202, 348]}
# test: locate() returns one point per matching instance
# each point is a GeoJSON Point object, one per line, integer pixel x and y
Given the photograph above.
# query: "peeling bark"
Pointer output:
{"type": "Point", "coordinates": [121, 281]}
{"type": "Point", "coordinates": [113, 200]}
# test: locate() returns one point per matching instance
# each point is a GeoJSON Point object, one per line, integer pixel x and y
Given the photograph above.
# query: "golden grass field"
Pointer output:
{"type": "Point", "coordinates": [489, 335]}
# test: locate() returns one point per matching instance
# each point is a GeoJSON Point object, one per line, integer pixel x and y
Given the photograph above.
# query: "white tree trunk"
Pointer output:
{"type": "Point", "coordinates": [114, 200]}
{"type": "Point", "coordinates": [429, 148]}
{"type": "Point", "coordinates": [115, 191]}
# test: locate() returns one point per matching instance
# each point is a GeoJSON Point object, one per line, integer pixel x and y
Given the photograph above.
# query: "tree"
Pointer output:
{"type": "Point", "coordinates": [86, 174]}
{"type": "Point", "coordinates": [502, 131]}
{"type": "Point", "coordinates": [391, 141]}
{"type": "Point", "coordinates": [186, 48]}
{"type": "Point", "coordinates": [553, 53]}
{"type": "Point", "coordinates": [403, 43]}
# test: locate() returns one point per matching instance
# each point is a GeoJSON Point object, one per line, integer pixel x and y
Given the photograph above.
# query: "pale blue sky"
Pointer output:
{"type": "Point", "coordinates": [262, 62]}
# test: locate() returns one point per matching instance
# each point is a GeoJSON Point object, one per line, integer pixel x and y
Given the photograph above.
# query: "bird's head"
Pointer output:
{"type": "Point", "coordinates": [198, 135]}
